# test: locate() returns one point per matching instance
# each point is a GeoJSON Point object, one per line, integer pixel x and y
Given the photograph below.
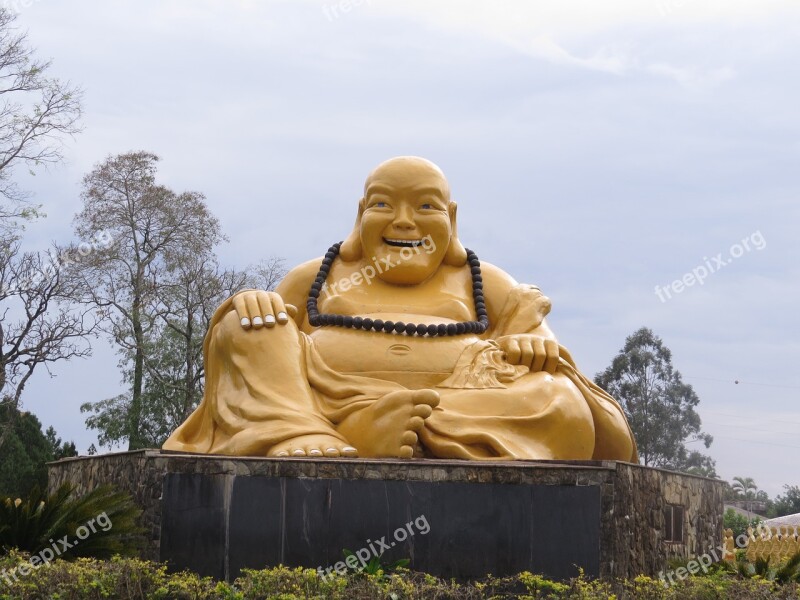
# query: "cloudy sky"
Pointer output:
{"type": "Point", "coordinates": [597, 149]}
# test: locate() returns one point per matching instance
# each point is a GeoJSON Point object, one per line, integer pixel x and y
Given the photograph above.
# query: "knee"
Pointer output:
{"type": "Point", "coordinates": [228, 331]}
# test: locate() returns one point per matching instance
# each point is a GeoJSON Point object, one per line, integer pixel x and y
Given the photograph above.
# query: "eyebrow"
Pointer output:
{"type": "Point", "coordinates": [428, 189]}
{"type": "Point", "coordinates": [379, 188]}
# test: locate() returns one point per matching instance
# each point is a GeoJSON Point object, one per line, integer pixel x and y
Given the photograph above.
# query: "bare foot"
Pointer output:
{"type": "Point", "coordinates": [315, 445]}
{"type": "Point", "coordinates": [389, 427]}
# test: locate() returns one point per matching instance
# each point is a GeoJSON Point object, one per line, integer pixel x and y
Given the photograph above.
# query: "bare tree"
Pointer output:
{"type": "Point", "coordinates": [38, 322]}
{"type": "Point", "coordinates": [174, 371]}
{"type": "Point", "coordinates": [36, 113]}
{"type": "Point", "coordinates": [153, 228]}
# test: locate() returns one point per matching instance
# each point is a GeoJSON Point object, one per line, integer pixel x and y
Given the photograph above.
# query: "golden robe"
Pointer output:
{"type": "Point", "coordinates": [264, 387]}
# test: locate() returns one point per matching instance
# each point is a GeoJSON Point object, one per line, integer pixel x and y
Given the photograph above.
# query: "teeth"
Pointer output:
{"type": "Point", "coordinates": [403, 242]}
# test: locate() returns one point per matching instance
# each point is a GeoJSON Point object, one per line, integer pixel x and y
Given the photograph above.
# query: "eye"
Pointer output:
{"type": "Point", "coordinates": [380, 204]}
{"type": "Point", "coordinates": [426, 206]}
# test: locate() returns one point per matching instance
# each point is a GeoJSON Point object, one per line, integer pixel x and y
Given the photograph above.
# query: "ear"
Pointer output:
{"type": "Point", "coordinates": [456, 255]}
{"type": "Point", "coordinates": [351, 248]}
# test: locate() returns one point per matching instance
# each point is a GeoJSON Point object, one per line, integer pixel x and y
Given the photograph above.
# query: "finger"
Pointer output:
{"type": "Point", "coordinates": [280, 309]}
{"type": "Point", "coordinates": [292, 310]}
{"type": "Point", "coordinates": [539, 355]}
{"type": "Point", "coordinates": [406, 452]}
{"type": "Point", "coordinates": [241, 310]}
{"type": "Point", "coordinates": [526, 352]}
{"type": "Point", "coordinates": [513, 351]}
{"type": "Point", "coordinates": [264, 303]}
{"type": "Point", "coordinates": [551, 348]}
{"type": "Point", "coordinates": [251, 302]}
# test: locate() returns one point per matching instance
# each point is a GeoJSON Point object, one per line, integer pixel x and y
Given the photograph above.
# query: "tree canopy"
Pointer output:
{"type": "Point", "coordinates": [659, 406]}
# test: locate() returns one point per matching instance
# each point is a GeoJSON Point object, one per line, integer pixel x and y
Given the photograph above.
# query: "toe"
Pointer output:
{"type": "Point", "coordinates": [349, 451]}
{"type": "Point", "coordinates": [422, 410]}
{"type": "Point", "coordinates": [315, 452]}
{"type": "Point", "coordinates": [409, 438]}
{"type": "Point", "coordinates": [298, 452]}
{"type": "Point", "coordinates": [427, 397]}
{"type": "Point", "coordinates": [416, 423]}
{"type": "Point", "coordinates": [406, 452]}
{"type": "Point", "coordinates": [332, 452]}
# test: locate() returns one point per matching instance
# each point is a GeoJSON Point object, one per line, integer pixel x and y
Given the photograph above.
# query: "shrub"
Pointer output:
{"type": "Point", "coordinates": [41, 522]}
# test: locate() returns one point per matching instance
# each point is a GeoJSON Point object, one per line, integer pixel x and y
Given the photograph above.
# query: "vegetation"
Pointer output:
{"type": "Point", "coordinates": [659, 406]}
{"type": "Point", "coordinates": [156, 288]}
{"type": "Point", "coordinates": [108, 518]}
{"type": "Point", "coordinates": [738, 523]}
{"type": "Point", "coordinates": [123, 579]}
{"type": "Point", "coordinates": [787, 503]}
{"type": "Point", "coordinates": [25, 451]}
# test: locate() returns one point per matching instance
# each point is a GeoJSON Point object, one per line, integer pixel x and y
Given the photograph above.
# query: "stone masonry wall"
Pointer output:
{"type": "Point", "coordinates": [632, 497]}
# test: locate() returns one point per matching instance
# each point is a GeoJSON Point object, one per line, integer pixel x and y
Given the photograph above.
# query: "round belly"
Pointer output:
{"type": "Point", "coordinates": [399, 357]}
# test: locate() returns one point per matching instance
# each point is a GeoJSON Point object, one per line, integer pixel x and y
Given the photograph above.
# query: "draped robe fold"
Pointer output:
{"type": "Point", "coordinates": [267, 387]}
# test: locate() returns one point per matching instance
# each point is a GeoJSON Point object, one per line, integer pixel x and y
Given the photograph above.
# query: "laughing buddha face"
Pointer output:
{"type": "Point", "coordinates": [407, 220]}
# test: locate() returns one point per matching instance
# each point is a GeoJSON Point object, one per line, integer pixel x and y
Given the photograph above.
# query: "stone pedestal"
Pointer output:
{"type": "Point", "coordinates": [216, 515]}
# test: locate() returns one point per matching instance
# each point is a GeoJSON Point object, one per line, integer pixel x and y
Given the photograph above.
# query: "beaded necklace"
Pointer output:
{"type": "Point", "coordinates": [320, 320]}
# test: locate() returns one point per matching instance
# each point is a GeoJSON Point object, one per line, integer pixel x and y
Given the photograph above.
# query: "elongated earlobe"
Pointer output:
{"type": "Point", "coordinates": [351, 248]}
{"type": "Point", "coordinates": [456, 255]}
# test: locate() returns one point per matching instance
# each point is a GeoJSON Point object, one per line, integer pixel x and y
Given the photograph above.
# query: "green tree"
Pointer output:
{"type": "Point", "coordinates": [174, 371]}
{"type": "Point", "coordinates": [152, 228]}
{"type": "Point", "coordinates": [745, 488]}
{"type": "Point", "coordinates": [25, 452]}
{"type": "Point", "coordinates": [787, 503]}
{"type": "Point", "coordinates": [659, 406]}
{"type": "Point", "coordinates": [738, 522]}
{"type": "Point", "coordinates": [58, 448]}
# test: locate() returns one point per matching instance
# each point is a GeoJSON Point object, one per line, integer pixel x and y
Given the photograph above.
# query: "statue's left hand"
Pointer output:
{"type": "Point", "coordinates": [533, 351]}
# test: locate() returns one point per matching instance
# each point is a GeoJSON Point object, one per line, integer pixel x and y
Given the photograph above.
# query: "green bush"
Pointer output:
{"type": "Point", "coordinates": [134, 579]}
{"type": "Point", "coordinates": [39, 523]}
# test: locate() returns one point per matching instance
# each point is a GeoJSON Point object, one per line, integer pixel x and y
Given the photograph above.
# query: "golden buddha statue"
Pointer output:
{"type": "Point", "coordinates": [398, 343]}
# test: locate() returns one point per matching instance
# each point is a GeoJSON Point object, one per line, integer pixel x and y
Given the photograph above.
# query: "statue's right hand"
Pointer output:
{"type": "Point", "coordinates": [257, 309]}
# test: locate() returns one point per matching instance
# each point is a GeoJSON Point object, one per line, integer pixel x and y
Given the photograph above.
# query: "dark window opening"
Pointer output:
{"type": "Point", "coordinates": [673, 523]}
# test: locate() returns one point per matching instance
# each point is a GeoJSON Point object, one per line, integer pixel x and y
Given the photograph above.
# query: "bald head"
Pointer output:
{"type": "Point", "coordinates": [408, 172]}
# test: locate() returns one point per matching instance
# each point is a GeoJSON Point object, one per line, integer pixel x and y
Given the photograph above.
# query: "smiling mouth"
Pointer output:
{"type": "Point", "coordinates": [403, 243]}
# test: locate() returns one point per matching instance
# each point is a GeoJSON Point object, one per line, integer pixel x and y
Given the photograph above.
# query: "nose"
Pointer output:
{"type": "Point", "coordinates": [404, 218]}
